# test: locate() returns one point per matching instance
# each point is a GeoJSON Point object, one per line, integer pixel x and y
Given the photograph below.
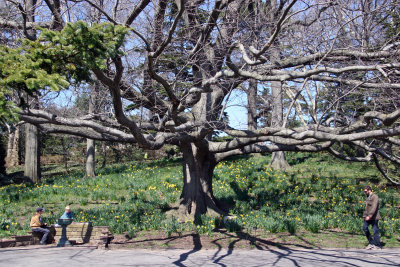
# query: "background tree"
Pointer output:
{"type": "Point", "coordinates": [2, 158]}
{"type": "Point", "coordinates": [90, 143]}
{"type": "Point", "coordinates": [13, 146]}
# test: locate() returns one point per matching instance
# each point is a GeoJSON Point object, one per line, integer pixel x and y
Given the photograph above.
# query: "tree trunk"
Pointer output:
{"type": "Point", "coordinates": [10, 144]}
{"type": "Point", "coordinates": [104, 148]}
{"type": "Point", "coordinates": [90, 144]}
{"type": "Point", "coordinates": [278, 160]}
{"type": "Point", "coordinates": [32, 155]}
{"type": "Point", "coordinates": [252, 105]}
{"type": "Point", "coordinates": [18, 148]}
{"type": "Point", "coordinates": [65, 154]}
{"type": "Point", "coordinates": [252, 108]}
{"type": "Point", "coordinates": [197, 196]}
{"type": "Point", "coordinates": [90, 158]}
{"type": "Point", "coordinates": [12, 158]}
{"type": "Point", "coordinates": [2, 158]}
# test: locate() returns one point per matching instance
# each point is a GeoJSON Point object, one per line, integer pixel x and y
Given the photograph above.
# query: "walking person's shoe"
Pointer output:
{"type": "Point", "coordinates": [370, 246]}
{"type": "Point", "coordinates": [375, 247]}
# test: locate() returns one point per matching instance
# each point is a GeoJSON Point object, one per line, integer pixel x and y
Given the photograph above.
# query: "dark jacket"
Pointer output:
{"type": "Point", "coordinates": [372, 207]}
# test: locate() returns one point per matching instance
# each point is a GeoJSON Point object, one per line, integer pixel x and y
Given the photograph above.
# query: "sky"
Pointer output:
{"type": "Point", "coordinates": [236, 108]}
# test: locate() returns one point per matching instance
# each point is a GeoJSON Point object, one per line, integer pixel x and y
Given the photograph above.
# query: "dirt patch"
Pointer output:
{"type": "Point", "coordinates": [228, 240]}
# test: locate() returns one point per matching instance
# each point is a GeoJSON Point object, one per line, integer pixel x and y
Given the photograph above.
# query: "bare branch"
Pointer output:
{"type": "Point", "coordinates": [383, 172]}
{"type": "Point", "coordinates": [136, 11]}
{"type": "Point", "coordinates": [272, 148]}
{"type": "Point", "coordinates": [274, 35]}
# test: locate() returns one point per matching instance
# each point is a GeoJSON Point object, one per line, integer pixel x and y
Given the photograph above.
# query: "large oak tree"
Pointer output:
{"type": "Point", "coordinates": [170, 66]}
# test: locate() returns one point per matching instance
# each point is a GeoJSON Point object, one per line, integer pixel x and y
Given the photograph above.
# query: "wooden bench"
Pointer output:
{"type": "Point", "coordinates": [23, 240]}
{"type": "Point", "coordinates": [37, 236]}
{"type": "Point", "coordinates": [106, 238]}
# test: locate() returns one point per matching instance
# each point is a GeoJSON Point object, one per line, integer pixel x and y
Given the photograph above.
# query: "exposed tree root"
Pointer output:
{"type": "Point", "coordinates": [193, 211]}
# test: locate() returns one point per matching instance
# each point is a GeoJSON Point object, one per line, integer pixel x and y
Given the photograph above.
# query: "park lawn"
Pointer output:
{"type": "Point", "coordinates": [318, 203]}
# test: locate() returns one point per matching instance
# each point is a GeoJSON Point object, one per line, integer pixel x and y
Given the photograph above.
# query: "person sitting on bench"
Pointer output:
{"type": "Point", "coordinates": [67, 214]}
{"type": "Point", "coordinates": [37, 225]}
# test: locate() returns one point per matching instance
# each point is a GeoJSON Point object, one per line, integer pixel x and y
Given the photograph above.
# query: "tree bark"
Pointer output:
{"type": "Point", "coordinates": [13, 153]}
{"type": "Point", "coordinates": [32, 155]}
{"type": "Point", "coordinates": [90, 158]}
{"type": "Point", "coordinates": [252, 108]}
{"type": "Point", "coordinates": [197, 196]}
{"type": "Point", "coordinates": [65, 154]}
{"type": "Point", "coordinates": [252, 105]}
{"type": "Point", "coordinates": [10, 144]}
{"type": "Point", "coordinates": [278, 160]}
{"type": "Point", "coordinates": [90, 143]}
{"type": "Point", "coordinates": [2, 158]}
{"type": "Point", "coordinates": [104, 148]}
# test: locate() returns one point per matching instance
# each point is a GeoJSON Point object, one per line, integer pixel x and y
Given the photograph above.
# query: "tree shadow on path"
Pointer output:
{"type": "Point", "coordinates": [298, 255]}
{"type": "Point", "coordinates": [196, 247]}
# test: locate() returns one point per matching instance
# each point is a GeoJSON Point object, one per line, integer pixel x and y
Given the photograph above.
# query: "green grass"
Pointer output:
{"type": "Point", "coordinates": [318, 195]}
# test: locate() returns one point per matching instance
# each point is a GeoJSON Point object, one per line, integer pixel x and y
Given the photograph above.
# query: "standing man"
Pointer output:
{"type": "Point", "coordinates": [371, 216]}
{"type": "Point", "coordinates": [37, 225]}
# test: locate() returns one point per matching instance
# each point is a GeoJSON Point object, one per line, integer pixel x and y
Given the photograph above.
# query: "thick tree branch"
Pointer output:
{"type": "Point", "coordinates": [54, 7]}
{"type": "Point", "coordinates": [348, 158]}
{"type": "Point", "coordinates": [272, 148]}
{"type": "Point", "coordinates": [136, 11]}
{"type": "Point", "coordinates": [383, 172]}
{"type": "Point", "coordinates": [29, 25]}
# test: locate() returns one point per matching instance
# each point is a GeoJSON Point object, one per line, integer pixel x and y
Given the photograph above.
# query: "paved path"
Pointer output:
{"type": "Point", "coordinates": [75, 256]}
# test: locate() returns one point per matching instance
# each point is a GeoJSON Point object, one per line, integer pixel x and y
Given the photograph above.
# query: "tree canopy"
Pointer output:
{"type": "Point", "coordinates": [169, 68]}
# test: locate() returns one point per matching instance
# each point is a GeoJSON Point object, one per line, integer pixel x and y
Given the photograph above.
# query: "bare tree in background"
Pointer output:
{"type": "Point", "coordinates": [90, 143]}
{"type": "Point", "coordinates": [32, 139]}
{"type": "Point", "coordinates": [13, 144]}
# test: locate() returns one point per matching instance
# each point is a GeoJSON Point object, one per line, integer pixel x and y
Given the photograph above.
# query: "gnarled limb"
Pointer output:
{"type": "Point", "coordinates": [390, 172]}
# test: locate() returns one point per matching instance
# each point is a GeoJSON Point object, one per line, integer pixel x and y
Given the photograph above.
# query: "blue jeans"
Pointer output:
{"type": "Point", "coordinates": [45, 233]}
{"type": "Point", "coordinates": [375, 240]}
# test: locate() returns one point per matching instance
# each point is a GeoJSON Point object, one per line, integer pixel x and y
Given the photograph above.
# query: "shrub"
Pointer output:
{"type": "Point", "coordinates": [5, 224]}
{"type": "Point", "coordinates": [232, 223]}
{"type": "Point", "coordinates": [172, 225]}
{"type": "Point", "coordinates": [272, 225]}
{"type": "Point", "coordinates": [290, 225]}
{"type": "Point", "coordinates": [313, 223]}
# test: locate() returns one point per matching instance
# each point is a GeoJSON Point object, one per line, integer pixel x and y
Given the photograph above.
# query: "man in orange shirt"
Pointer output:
{"type": "Point", "coordinates": [37, 225]}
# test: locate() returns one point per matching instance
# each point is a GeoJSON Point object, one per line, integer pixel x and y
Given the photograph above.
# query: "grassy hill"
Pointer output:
{"type": "Point", "coordinates": [319, 196]}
